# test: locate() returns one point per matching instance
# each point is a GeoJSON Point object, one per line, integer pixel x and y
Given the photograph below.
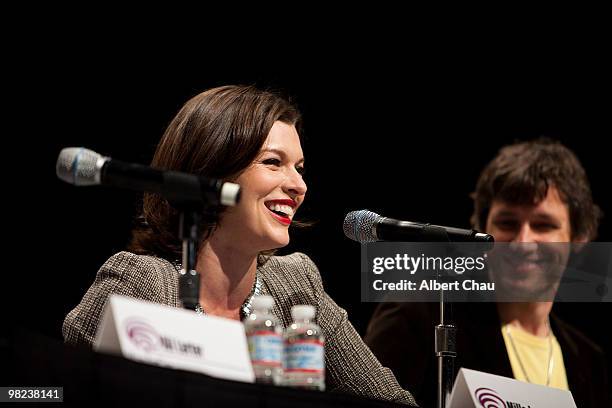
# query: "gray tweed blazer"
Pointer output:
{"type": "Point", "coordinates": [292, 280]}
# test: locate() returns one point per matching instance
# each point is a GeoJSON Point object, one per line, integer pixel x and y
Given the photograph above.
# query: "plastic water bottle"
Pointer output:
{"type": "Point", "coordinates": [304, 351]}
{"type": "Point", "coordinates": [265, 340]}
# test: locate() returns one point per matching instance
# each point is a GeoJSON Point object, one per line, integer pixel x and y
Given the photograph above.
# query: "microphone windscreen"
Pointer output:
{"type": "Point", "coordinates": [78, 166]}
{"type": "Point", "coordinates": [360, 226]}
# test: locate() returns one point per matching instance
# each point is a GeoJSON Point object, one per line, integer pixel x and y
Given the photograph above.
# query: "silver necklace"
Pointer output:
{"type": "Point", "coordinates": [247, 306]}
{"type": "Point", "coordinates": [550, 354]}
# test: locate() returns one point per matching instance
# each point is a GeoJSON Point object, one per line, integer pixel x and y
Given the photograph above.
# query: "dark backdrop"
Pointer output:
{"type": "Point", "coordinates": [405, 139]}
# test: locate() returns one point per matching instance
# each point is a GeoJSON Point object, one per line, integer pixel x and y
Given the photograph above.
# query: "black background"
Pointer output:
{"type": "Point", "coordinates": [403, 132]}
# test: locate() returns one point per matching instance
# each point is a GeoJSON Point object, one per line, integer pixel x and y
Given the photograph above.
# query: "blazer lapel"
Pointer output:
{"type": "Point", "coordinates": [575, 372]}
{"type": "Point", "coordinates": [482, 337]}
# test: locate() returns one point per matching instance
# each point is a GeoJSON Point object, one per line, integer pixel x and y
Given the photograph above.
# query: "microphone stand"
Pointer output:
{"type": "Point", "coordinates": [445, 343]}
{"type": "Point", "coordinates": [190, 217]}
{"type": "Point", "coordinates": [189, 279]}
{"type": "Point", "coordinates": [445, 353]}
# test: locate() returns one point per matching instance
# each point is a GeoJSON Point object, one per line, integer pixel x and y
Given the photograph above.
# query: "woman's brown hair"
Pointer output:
{"type": "Point", "coordinates": [218, 134]}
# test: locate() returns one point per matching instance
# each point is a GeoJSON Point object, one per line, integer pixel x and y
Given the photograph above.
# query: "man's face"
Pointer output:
{"type": "Point", "coordinates": [530, 266]}
{"type": "Point", "coordinates": [546, 221]}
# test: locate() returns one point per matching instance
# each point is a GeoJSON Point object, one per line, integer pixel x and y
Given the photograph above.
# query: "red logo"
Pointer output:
{"type": "Point", "coordinates": [142, 334]}
{"type": "Point", "coordinates": [489, 398]}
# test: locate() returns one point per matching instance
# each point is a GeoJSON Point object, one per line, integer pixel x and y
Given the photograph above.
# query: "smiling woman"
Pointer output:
{"type": "Point", "coordinates": [251, 137]}
{"type": "Point", "coordinates": [273, 189]}
{"type": "Point", "coordinates": [235, 133]}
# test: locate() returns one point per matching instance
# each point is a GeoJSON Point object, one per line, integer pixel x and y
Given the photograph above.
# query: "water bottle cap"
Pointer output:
{"type": "Point", "coordinates": [300, 312]}
{"type": "Point", "coordinates": [263, 302]}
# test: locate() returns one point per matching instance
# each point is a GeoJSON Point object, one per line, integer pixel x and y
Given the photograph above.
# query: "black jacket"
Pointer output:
{"type": "Point", "coordinates": [401, 335]}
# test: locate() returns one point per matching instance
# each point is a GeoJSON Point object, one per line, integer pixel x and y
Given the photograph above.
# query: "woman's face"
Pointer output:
{"type": "Point", "coordinates": [272, 189]}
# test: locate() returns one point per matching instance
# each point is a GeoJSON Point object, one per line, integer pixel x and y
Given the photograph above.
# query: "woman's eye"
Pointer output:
{"type": "Point", "coordinates": [301, 170]}
{"type": "Point", "coordinates": [273, 162]}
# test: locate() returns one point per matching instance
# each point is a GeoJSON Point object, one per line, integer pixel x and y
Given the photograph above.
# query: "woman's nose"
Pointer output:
{"type": "Point", "coordinates": [295, 184]}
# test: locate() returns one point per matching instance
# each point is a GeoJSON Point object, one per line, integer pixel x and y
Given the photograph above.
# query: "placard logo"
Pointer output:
{"type": "Point", "coordinates": [489, 398]}
{"type": "Point", "coordinates": [142, 334]}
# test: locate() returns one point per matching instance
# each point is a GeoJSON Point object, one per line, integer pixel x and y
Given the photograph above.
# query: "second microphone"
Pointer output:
{"type": "Point", "coordinates": [366, 226]}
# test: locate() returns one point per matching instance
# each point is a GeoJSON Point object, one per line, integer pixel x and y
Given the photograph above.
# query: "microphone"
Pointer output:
{"type": "Point", "coordinates": [84, 167]}
{"type": "Point", "coordinates": [366, 226]}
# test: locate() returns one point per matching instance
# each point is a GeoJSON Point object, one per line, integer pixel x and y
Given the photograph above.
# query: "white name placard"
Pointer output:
{"type": "Point", "coordinates": [475, 389]}
{"type": "Point", "coordinates": [177, 338]}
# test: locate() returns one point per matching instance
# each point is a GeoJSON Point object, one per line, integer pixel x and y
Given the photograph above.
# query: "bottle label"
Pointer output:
{"type": "Point", "coordinates": [304, 356]}
{"type": "Point", "coordinates": [266, 348]}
